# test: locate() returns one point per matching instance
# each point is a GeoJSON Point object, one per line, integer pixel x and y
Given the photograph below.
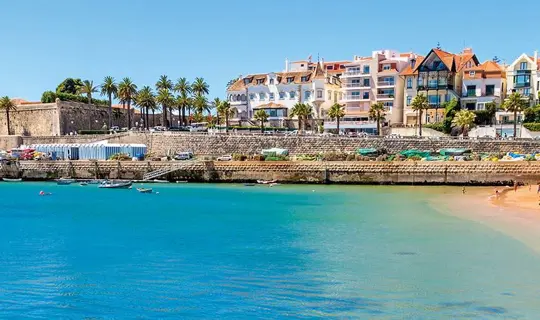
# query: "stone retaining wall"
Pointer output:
{"type": "Point", "coordinates": [478, 173]}
{"type": "Point", "coordinates": [163, 143]}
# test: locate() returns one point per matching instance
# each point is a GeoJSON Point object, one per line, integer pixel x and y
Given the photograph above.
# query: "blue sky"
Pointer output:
{"type": "Point", "coordinates": [43, 42]}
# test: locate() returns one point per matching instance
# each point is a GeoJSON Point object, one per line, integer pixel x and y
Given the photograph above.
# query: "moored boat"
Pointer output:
{"type": "Point", "coordinates": [115, 185]}
{"type": "Point", "coordinates": [144, 190]}
{"type": "Point", "coordinates": [82, 184]}
{"type": "Point", "coordinates": [64, 181]}
{"type": "Point", "coordinates": [266, 181]}
{"type": "Point", "coordinates": [11, 180]}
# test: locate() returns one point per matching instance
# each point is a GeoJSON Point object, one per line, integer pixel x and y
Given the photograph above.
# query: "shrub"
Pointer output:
{"type": "Point", "coordinates": [239, 157]}
{"type": "Point", "coordinates": [483, 117]}
{"type": "Point", "coordinates": [333, 156]}
{"type": "Point", "coordinates": [258, 157]}
{"type": "Point", "coordinates": [49, 97]}
{"type": "Point", "coordinates": [276, 158]}
{"type": "Point", "coordinates": [120, 157]}
{"type": "Point", "coordinates": [305, 157]}
{"type": "Point", "coordinates": [439, 126]}
{"type": "Point", "coordinates": [533, 126]}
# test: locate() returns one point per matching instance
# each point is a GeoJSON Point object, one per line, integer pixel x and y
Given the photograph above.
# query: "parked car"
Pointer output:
{"type": "Point", "coordinates": [183, 156]}
{"type": "Point", "coordinates": [225, 158]}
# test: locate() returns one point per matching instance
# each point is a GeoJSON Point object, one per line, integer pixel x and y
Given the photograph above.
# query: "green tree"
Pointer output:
{"type": "Point", "coordinates": [215, 105]}
{"type": "Point", "coordinates": [146, 100]}
{"type": "Point", "coordinates": [302, 111]}
{"type": "Point", "coordinates": [419, 104]}
{"type": "Point", "coordinates": [200, 87]}
{"type": "Point", "coordinates": [88, 88]}
{"type": "Point", "coordinates": [532, 114]}
{"type": "Point", "coordinates": [464, 119]}
{"type": "Point", "coordinates": [377, 113]}
{"type": "Point", "coordinates": [69, 85]}
{"type": "Point", "coordinates": [165, 99]}
{"type": "Point", "coordinates": [164, 83]}
{"type": "Point", "coordinates": [450, 109]}
{"type": "Point", "coordinates": [200, 103]}
{"type": "Point", "coordinates": [183, 88]}
{"type": "Point", "coordinates": [336, 111]}
{"type": "Point", "coordinates": [127, 91]}
{"type": "Point", "coordinates": [8, 106]}
{"type": "Point", "coordinates": [262, 116]}
{"type": "Point", "coordinates": [109, 89]}
{"type": "Point", "coordinates": [515, 103]}
{"type": "Point", "coordinates": [225, 110]}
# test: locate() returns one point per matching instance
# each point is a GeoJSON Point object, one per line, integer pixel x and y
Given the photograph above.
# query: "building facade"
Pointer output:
{"type": "Point", "coordinates": [315, 83]}
{"type": "Point", "coordinates": [483, 84]}
{"type": "Point", "coordinates": [368, 80]}
{"type": "Point", "coordinates": [438, 76]}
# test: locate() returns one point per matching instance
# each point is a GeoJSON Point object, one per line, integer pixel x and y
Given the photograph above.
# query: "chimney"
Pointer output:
{"type": "Point", "coordinates": [467, 50]}
{"type": "Point", "coordinates": [536, 57]}
{"type": "Point", "coordinates": [286, 65]}
{"type": "Point", "coordinates": [413, 60]}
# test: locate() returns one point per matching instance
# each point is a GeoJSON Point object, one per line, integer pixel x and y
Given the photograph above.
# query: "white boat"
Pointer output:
{"type": "Point", "coordinates": [116, 185]}
{"type": "Point", "coordinates": [266, 181]}
{"type": "Point", "coordinates": [144, 190]}
{"type": "Point", "coordinates": [64, 181]}
{"type": "Point", "coordinates": [11, 180]}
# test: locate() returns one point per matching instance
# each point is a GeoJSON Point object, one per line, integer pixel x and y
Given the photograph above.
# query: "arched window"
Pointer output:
{"type": "Point", "coordinates": [234, 98]}
{"type": "Point", "coordinates": [243, 97]}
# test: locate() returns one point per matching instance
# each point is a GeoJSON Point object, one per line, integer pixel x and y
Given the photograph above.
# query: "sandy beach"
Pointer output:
{"type": "Point", "coordinates": [515, 213]}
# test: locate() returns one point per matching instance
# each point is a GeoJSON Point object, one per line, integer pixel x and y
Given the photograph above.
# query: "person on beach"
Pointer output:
{"type": "Point", "coordinates": [538, 190]}
{"type": "Point", "coordinates": [463, 190]}
{"type": "Point", "coordinates": [497, 193]}
{"type": "Point", "coordinates": [515, 186]}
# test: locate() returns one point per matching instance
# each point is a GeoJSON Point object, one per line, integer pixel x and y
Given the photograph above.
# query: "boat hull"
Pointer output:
{"type": "Point", "coordinates": [11, 180]}
{"type": "Point", "coordinates": [125, 185]}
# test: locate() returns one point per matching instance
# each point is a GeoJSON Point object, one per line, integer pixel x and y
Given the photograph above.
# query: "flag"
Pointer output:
{"type": "Point", "coordinates": [309, 58]}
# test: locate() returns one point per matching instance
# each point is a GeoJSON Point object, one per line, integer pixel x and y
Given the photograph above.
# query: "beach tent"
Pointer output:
{"type": "Point", "coordinates": [368, 152]}
{"type": "Point", "coordinates": [413, 152]}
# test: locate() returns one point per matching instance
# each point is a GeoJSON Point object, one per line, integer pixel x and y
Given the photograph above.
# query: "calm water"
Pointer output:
{"type": "Point", "coordinates": [222, 251]}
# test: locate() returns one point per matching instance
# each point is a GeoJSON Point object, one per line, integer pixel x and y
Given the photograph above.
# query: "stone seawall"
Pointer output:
{"type": "Point", "coordinates": [474, 173]}
{"type": "Point", "coordinates": [164, 143]}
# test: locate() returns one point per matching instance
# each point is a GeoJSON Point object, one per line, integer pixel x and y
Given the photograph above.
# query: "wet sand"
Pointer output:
{"type": "Point", "coordinates": [514, 213]}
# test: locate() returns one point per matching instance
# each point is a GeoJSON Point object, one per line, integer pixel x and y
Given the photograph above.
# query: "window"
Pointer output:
{"type": "Point", "coordinates": [271, 96]}
{"type": "Point", "coordinates": [386, 67]}
{"type": "Point", "coordinates": [247, 80]}
{"type": "Point", "coordinates": [260, 81]}
{"type": "Point", "coordinates": [480, 106]}
{"type": "Point", "coordinates": [281, 95]}
{"type": "Point", "coordinates": [355, 81]}
{"type": "Point", "coordinates": [304, 78]}
{"type": "Point", "coordinates": [432, 83]}
{"type": "Point", "coordinates": [366, 82]}
{"type": "Point", "coordinates": [292, 95]}
{"type": "Point", "coordinates": [279, 79]}
{"type": "Point", "coordinates": [366, 69]}
{"type": "Point", "coordinates": [290, 79]}
{"type": "Point", "coordinates": [329, 67]}
{"type": "Point", "coordinates": [490, 90]}
{"type": "Point", "coordinates": [471, 74]}
{"type": "Point", "coordinates": [271, 81]}
{"type": "Point", "coordinates": [526, 91]}
{"type": "Point", "coordinates": [409, 82]}
{"type": "Point", "coordinates": [433, 100]}
{"type": "Point", "coordinates": [262, 96]}
{"type": "Point", "coordinates": [302, 65]}
{"type": "Point", "coordinates": [307, 95]}
{"type": "Point", "coordinates": [329, 94]}
{"type": "Point", "coordinates": [522, 80]}
{"type": "Point", "coordinates": [409, 99]}
{"type": "Point", "coordinates": [523, 66]}
{"type": "Point", "coordinates": [319, 94]}
{"type": "Point", "coordinates": [355, 94]}
{"type": "Point", "coordinates": [420, 82]}
{"type": "Point", "coordinates": [251, 96]}
{"type": "Point", "coordinates": [471, 91]}
{"type": "Point", "coordinates": [365, 95]}
{"type": "Point", "coordinates": [388, 105]}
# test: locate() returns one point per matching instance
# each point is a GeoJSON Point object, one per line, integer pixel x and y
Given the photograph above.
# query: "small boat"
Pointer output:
{"type": "Point", "coordinates": [64, 181]}
{"type": "Point", "coordinates": [82, 184]}
{"type": "Point", "coordinates": [181, 181]}
{"type": "Point", "coordinates": [144, 190]}
{"type": "Point", "coordinates": [116, 185]}
{"type": "Point", "coordinates": [159, 181]}
{"type": "Point", "coordinates": [273, 184]}
{"type": "Point", "coordinates": [266, 181]}
{"type": "Point", "coordinates": [249, 184]}
{"type": "Point", "coordinates": [11, 180]}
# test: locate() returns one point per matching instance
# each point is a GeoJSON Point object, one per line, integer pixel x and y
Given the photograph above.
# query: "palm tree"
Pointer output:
{"type": "Point", "coordinates": [166, 99]}
{"type": "Point", "coordinates": [146, 100]}
{"type": "Point", "coordinates": [337, 112]}
{"type": "Point", "coordinates": [164, 83]}
{"type": "Point", "coordinates": [515, 103]}
{"type": "Point", "coordinates": [215, 105]}
{"type": "Point", "coordinates": [200, 103]}
{"type": "Point", "coordinates": [419, 104]}
{"type": "Point", "coordinates": [302, 111]}
{"type": "Point", "coordinates": [8, 105]}
{"type": "Point", "coordinates": [200, 87]}
{"type": "Point", "coordinates": [464, 119]}
{"type": "Point", "coordinates": [87, 88]}
{"type": "Point", "coordinates": [262, 116]}
{"type": "Point", "coordinates": [376, 112]}
{"type": "Point", "coordinates": [109, 89]}
{"type": "Point", "coordinates": [226, 111]}
{"type": "Point", "coordinates": [126, 92]}
{"type": "Point", "coordinates": [183, 88]}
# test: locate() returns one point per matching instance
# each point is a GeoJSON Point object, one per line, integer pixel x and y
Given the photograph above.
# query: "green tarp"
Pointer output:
{"type": "Point", "coordinates": [367, 152]}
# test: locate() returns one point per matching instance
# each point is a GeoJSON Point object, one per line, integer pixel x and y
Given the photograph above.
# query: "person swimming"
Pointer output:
{"type": "Point", "coordinates": [43, 193]}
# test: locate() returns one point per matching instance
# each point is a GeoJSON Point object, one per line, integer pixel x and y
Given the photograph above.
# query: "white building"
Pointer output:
{"type": "Point", "coordinates": [368, 80]}
{"type": "Point", "coordinates": [483, 84]}
{"type": "Point", "coordinates": [317, 84]}
{"type": "Point", "coordinates": [523, 76]}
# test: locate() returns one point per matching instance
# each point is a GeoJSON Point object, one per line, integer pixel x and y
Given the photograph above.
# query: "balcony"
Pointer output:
{"type": "Point", "coordinates": [355, 98]}
{"type": "Point", "coordinates": [523, 71]}
{"type": "Point", "coordinates": [355, 110]}
{"type": "Point", "coordinates": [355, 73]}
{"type": "Point", "coordinates": [383, 96]}
{"type": "Point", "coordinates": [355, 85]}
{"type": "Point", "coordinates": [522, 85]}
{"type": "Point", "coordinates": [386, 84]}
{"type": "Point", "coordinates": [422, 87]}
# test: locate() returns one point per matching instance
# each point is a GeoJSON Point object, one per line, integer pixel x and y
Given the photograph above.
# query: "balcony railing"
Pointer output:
{"type": "Point", "coordinates": [356, 109]}
{"type": "Point", "coordinates": [355, 73]}
{"type": "Point", "coordinates": [435, 87]}
{"type": "Point", "coordinates": [385, 96]}
{"type": "Point", "coordinates": [355, 98]}
{"type": "Point", "coordinates": [385, 83]}
{"type": "Point", "coordinates": [355, 85]}
{"type": "Point", "coordinates": [522, 85]}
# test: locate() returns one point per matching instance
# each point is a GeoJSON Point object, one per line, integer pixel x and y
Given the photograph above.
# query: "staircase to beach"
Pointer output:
{"type": "Point", "coordinates": [159, 173]}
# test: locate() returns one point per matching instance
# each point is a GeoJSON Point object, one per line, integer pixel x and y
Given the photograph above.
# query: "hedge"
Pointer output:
{"type": "Point", "coordinates": [93, 132]}
{"type": "Point", "coordinates": [50, 97]}
{"type": "Point", "coordinates": [439, 126]}
{"type": "Point", "coordinates": [533, 126]}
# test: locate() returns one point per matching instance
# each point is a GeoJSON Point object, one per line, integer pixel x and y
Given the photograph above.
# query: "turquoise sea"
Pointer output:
{"type": "Point", "coordinates": [236, 252]}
